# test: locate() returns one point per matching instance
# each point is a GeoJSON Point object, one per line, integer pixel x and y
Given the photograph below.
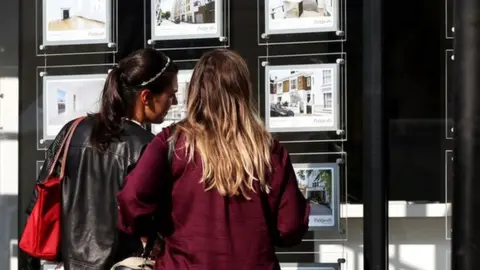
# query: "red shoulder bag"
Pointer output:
{"type": "Point", "coordinates": [41, 237]}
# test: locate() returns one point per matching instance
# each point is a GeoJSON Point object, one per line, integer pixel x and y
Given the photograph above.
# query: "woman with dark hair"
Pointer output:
{"type": "Point", "coordinates": [232, 187]}
{"type": "Point", "coordinates": [103, 148]}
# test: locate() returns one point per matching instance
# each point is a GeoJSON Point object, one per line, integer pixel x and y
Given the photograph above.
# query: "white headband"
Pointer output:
{"type": "Point", "coordinates": [158, 74]}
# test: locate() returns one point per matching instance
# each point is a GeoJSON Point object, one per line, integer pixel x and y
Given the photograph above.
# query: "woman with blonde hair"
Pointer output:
{"type": "Point", "coordinates": [225, 190]}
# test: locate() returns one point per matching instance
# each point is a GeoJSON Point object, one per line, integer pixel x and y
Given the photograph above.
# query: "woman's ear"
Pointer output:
{"type": "Point", "coordinates": [145, 96]}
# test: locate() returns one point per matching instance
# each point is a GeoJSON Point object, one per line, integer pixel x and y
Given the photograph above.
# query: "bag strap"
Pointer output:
{"type": "Point", "coordinates": [64, 149]}
{"type": "Point", "coordinates": [67, 146]}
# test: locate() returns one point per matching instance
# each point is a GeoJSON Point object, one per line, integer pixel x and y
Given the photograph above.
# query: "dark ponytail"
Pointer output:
{"type": "Point", "coordinates": [108, 122]}
{"type": "Point", "coordinates": [120, 92]}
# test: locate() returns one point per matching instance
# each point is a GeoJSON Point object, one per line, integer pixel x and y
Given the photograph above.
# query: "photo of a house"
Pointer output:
{"type": "Point", "coordinates": [179, 111]}
{"type": "Point", "coordinates": [185, 11]}
{"type": "Point", "coordinates": [301, 97]}
{"type": "Point", "coordinates": [192, 18]}
{"type": "Point", "coordinates": [75, 20]}
{"type": "Point", "coordinates": [69, 97]}
{"type": "Point", "coordinates": [285, 9]}
{"type": "Point", "coordinates": [316, 186]}
{"type": "Point", "coordinates": [317, 183]}
{"type": "Point", "coordinates": [291, 16]}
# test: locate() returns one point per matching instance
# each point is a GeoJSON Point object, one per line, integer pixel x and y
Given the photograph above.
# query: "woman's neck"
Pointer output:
{"type": "Point", "coordinates": [138, 117]}
{"type": "Point", "coordinates": [140, 123]}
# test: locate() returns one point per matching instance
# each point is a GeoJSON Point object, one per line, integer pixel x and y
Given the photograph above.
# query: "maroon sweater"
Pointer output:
{"type": "Point", "coordinates": [203, 230]}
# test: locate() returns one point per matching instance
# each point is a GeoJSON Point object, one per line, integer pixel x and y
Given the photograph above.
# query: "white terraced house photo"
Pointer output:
{"type": "Point", "coordinates": [75, 20]}
{"type": "Point", "coordinates": [301, 97]}
{"type": "Point", "coordinates": [290, 16]}
{"type": "Point", "coordinates": [69, 97]}
{"type": "Point", "coordinates": [184, 17]}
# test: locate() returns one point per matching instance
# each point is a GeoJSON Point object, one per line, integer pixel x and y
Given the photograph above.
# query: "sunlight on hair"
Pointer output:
{"type": "Point", "coordinates": [222, 126]}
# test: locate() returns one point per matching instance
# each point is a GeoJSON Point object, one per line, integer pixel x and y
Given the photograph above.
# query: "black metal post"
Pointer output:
{"type": "Point", "coordinates": [466, 185]}
{"type": "Point", "coordinates": [375, 167]}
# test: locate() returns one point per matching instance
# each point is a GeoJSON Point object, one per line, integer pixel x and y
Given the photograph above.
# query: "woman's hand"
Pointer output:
{"type": "Point", "coordinates": [157, 248]}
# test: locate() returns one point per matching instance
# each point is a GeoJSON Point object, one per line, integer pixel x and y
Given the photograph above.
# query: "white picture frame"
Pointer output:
{"type": "Point", "coordinates": [309, 266]}
{"type": "Point", "coordinates": [300, 98]}
{"type": "Point", "coordinates": [186, 19]}
{"type": "Point", "coordinates": [66, 97]}
{"type": "Point", "coordinates": [76, 22]}
{"type": "Point", "coordinates": [301, 16]}
{"type": "Point", "coordinates": [176, 112]}
{"type": "Point", "coordinates": [319, 183]}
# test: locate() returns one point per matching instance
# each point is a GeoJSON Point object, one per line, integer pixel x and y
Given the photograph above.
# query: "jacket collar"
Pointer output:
{"type": "Point", "coordinates": [136, 122]}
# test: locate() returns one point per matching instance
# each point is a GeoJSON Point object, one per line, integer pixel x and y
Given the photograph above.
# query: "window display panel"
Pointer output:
{"type": "Point", "coordinates": [298, 21]}
{"type": "Point", "coordinates": [178, 112]}
{"type": "Point", "coordinates": [449, 15]}
{"type": "Point", "coordinates": [321, 179]}
{"type": "Point", "coordinates": [310, 266]}
{"type": "Point", "coordinates": [180, 24]}
{"type": "Point", "coordinates": [75, 27]}
{"type": "Point", "coordinates": [303, 97]}
{"type": "Point", "coordinates": [67, 97]}
{"type": "Point", "coordinates": [303, 255]}
{"type": "Point", "coordinates": [448, 192]}
{"type": "Point", "coordinates": [310, 254]}
{"type": "Point", "coordinates": [449, 58]}
{"type": "Point", "coordinates": [65, 93]}
{"type": "Point", "coordinates": [319, 183]}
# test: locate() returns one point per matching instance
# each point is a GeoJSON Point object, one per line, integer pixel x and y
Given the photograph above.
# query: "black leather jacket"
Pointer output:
{"type": "Point", "coordinates": [89, 238]}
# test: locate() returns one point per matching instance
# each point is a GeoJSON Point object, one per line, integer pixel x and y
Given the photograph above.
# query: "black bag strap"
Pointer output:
{"type": "Point", "coordinates": [152, 238]}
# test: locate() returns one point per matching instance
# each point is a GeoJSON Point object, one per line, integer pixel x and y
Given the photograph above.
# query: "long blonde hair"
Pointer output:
{"type": "Point", "coordinates": [222, 126]}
